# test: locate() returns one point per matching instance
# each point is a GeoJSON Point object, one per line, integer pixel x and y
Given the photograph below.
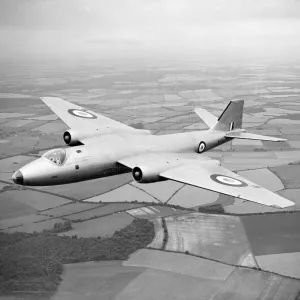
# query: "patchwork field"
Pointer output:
{"type": "Point", "coordinates": [38, 226]}
{"type": "Point", "coordinates": [123, 194]}
{"type": "Point", "coordinates": [212, 236]}
{"type": "Point", "coordinates": [161, 275]}
{"type": "Point", "coordinates": [87, 189]}
{"type": "Point", "coordinates": [282, 263]}
{"type": "Point", "coordinates": [113, 278]}
{"type": "Point", "coordinates": [24, 219]}
{"type": "Point", "coordinates": [104, 226]}
{"type": "Point", "coordinates": [100, 211]}
{"type": "Point", "coordinates": [265, 178]}
{"type": "Point", "coordinates": [163, 191]}
{"type": "Point", "coordinates": [39, 201]}
{"type": "Point", "coordinates": [273, 233]}
{"type": "Point", "coordinates": [71, 208]}
{"type": "Point", "coordinates": [289, 175]}
{"type": "Point", "coordinates": [179, 263]}
{"type": "Point", "coordinates": [9, 165]}
{"type": "Point", "coordinates": [259, 285]}
{"type": "Point", "coordinates": [13, 208]}
{"type": "Point", "coordinates": [189, 196]}
{"type": "Point", "coordinates": [162, 99]}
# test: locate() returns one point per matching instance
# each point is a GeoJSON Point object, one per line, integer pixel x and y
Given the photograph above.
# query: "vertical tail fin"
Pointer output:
{"type": "Point", "coordinates": [232, 117]}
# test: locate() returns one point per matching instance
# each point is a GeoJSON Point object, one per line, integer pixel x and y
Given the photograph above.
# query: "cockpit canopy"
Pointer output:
{"type": "Point", "coordinates": [56, 156]}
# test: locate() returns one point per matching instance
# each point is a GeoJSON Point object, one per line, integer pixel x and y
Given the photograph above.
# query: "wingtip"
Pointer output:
{"type": "Point", "coordinates": [283, 206]}
{"type": "Point", "coordinates": [284, 203]}
{"type": "Point", "coordinates": [275, 139]}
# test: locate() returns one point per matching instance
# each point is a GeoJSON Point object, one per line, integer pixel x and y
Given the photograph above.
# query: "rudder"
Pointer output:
{"type": "Point", "coordinates": [232, 117]}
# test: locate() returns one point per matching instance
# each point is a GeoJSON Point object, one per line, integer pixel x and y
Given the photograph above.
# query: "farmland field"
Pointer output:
{"type": "Point", "coordinates": [274, 233]}
{"type": "Point", "coordinates": [87, 189]}
{"type": "Point", "coordinates": [282, 263]}
{"type": "Point", "coordinates": [13, 208]}
{"type": "Point", "coordinates": [107, 209]}
{"type": "Point", "coordinates": [162, 97]}
{"type": "Point", "coordinates": [180, 263]}
{"type": "Point", "coordinates": [211, 236]}
{"type": "Point", "coordinates": [70, 208]}
{"type": "Point", "coordinates": [104, 226]}
{"type": "Point", "coordinates": [39, 201]}
{"type": "Point", "coordinates": [90, 280]}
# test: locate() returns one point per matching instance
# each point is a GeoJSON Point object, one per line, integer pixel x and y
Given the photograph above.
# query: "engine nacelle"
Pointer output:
{"type": "Point", "coordinates": [147, 174]}
{"type": "Point", "coordinates": [72, 137]}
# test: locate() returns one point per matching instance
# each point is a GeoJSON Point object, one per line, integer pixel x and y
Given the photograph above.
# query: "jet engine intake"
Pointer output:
{"type": "Point", "coordinates": [72, 138]}
{"type": "Point", "coordinates": [146, 174]}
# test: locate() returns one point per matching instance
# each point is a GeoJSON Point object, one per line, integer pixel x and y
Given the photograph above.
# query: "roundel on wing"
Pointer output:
{"type": "Point", "coordinates": [201, 147]}
{"type": "Point", "coordinates": [226, 180]}
{"type": "Point", "coordinates": [81, 114]}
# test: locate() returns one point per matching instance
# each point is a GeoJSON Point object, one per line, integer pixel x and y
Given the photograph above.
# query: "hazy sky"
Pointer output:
{"type": "Point", "coordinates": [148, 27]}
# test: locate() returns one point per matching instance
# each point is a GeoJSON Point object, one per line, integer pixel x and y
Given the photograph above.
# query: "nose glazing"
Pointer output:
{"type": "Point", "coordinates": [18, 177]}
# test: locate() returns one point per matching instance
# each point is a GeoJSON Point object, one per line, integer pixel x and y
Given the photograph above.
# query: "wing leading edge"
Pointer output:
{"type": "Point", "coordinates": [78, 118]}
{"type": "Point", "coordinates": [211, 176]}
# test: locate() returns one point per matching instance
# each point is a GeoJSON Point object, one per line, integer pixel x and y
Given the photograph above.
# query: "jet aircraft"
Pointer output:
{"type": "Point", "coordinates": [100, 147]}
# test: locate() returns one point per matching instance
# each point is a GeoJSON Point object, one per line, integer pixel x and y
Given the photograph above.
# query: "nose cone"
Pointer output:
{"type": "Point", "coordinates": [18, 178]}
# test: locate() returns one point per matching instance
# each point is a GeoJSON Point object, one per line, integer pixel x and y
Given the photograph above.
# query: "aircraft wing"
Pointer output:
{"type": "Point", "coordinates": [202, 172]}
{"type": "Point", "coordinates": [211, 176]}
{"type": "Point", "coordinates": [76, 117]}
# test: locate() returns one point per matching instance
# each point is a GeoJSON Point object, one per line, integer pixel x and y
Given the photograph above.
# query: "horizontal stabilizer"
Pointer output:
{"type": "Point", "coordinates": [252, 136]}
{"type": "Point", "coordinates": [209, 119]}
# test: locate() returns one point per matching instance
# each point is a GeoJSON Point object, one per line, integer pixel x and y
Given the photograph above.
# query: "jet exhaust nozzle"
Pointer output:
{"type": "Point", "coordinates": [137, 174]}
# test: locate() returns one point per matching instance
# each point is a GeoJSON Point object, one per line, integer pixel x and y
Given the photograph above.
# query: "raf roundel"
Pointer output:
{"type": "Point", "coordinates": [226, 180]}
{"type": "Point", "coordinates": [81, 114]}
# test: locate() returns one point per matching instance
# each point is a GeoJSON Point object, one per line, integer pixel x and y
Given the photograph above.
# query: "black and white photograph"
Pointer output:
{"type": "Point", "coordinates": [149, 150]}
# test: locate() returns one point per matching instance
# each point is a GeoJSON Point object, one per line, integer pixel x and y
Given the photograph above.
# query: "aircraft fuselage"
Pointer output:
{"type": "Point", "coordinates": [101, 160]}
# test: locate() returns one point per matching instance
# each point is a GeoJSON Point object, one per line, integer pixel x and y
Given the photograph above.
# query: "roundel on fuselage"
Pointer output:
{"type": "Point", "coordinates": [82, 114]}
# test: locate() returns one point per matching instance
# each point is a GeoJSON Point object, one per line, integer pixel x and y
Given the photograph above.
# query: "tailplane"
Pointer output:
{"type": "Point", "coordinates": [230, 122]}
{"type": "Point", "coordinates": [231, 118]}
{"type": "Point", "coordinates": [252, 136]}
